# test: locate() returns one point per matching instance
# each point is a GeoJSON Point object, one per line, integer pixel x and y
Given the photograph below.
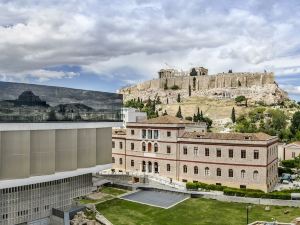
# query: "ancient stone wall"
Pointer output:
{"type": "Point", "coordinates": [198, 83]}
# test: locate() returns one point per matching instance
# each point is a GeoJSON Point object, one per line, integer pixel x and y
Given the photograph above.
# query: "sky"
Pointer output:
{"type": "Point", "coordinates": [108, 44]}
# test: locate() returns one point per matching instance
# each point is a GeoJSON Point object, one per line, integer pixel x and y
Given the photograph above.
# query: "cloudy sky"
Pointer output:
{"type": "Point", "coordinates": [107, 44]}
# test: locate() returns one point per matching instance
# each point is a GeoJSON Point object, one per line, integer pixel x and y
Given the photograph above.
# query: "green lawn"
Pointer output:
{"type": "Point", "coordinates": [113, 191]}
{"type": "Point", "coordinates": [192, 211]}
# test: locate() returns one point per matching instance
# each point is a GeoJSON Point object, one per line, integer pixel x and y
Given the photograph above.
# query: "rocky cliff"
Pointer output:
{"type": "Point", "coordinates": [256, 87]}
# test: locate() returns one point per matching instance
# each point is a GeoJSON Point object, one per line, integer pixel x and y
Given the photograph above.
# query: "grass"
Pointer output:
{"type": "Point", "coordinates": [191, 211]}
{"type": "Point", "coordinates": [109, 193]}
{"type": "Point", "coordinates": [113, 191]}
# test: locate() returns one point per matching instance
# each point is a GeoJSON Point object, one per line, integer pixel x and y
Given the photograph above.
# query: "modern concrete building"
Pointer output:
{"type": "Point", "coordinates": [44, 166]}
{"type": "Point", "coordinates": [184, 151]}
{"type": "Point", "coordinates": [131, 115]}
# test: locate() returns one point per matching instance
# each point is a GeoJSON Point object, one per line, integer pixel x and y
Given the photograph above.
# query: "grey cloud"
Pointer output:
{"type": "Point", "coordinates": [108, 35]}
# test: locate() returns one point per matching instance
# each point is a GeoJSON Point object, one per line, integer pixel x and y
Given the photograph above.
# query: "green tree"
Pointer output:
{"type": "Point", "coordinates": [295, 123]}
{"type": "Point", "coordinates": [178, 98]}
{"type": "Point", "coordinates": [193, 72]}
{"type": "Point", "coordinates": [190, 90]}
{"type": "Point", "coordinates": [194, 83]}
{"type": "Point", "coordinates": [165, 113]}
{"type": "Point", "coordinates": [233, 115]}
{"type": "Point", "coordinates": [166, 85]}
{"type": "Point", "coordinates": [240, 99]}
{"type": "Point", "coordinates": [178, 114]}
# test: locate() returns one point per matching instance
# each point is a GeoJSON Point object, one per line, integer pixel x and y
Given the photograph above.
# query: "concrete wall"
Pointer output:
{"type": "Point", "coordinates": [44, 152]}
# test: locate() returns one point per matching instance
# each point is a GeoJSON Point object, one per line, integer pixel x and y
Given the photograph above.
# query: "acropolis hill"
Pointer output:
{"type": "Point", "coordinates": [256, 87]}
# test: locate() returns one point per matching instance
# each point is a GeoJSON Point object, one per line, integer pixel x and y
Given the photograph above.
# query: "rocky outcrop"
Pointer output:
{"type": "Point", "coordinates": [257, 87]}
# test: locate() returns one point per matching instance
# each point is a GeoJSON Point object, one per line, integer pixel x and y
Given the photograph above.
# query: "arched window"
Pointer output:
{"type": "Point", "coordinates": [206, 171]}
{"type": "Point", "coordinates": [155, 167]}
{"type": "Point", "coordinates": [155, 147]}
{"type": "Point", "coordinates": [219, 172]}
{"type": "Point", "coordinates": [149, 147]}
{"type": "Point", "coordinates": [144, 166]}
{"type": "Point", "coordinates": [230, 173]}
{"type": "Point", "coordinates": [196, 170]}
{"type": "Point", "coordinates": [243, 172]}
{"type": "Point", "coordinates": [255, 175]}
{"type": "Point", "coordinates": [184, 169]}
{"type": "Point", "coordinates": [113, 160]}
{"type": "Point", "coordinates": [143, 147]}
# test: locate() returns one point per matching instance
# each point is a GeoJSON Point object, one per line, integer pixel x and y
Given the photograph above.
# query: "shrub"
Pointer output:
{"type": "Point", "coordinates": [191, 186]}
{"type": "Point", "coordinates": [282, 170]}
{"type": "Point", "coordinates": [288, 163]}
{"type": "Point", "coordinates": [189, 118]}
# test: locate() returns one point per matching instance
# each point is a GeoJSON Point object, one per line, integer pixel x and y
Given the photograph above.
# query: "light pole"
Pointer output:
{"type": "Point", "coordinates": [248, 207]}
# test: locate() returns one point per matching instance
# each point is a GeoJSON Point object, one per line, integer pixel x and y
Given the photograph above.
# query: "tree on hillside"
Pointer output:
{"type": "Point", "coordinates": [194, 83]}
{"type": "Point", "coordinates": [166, 85]}
{"type": "Point", "coordinates": [190, 90]}
{"type": "Point", "coordinates": [178, 98]}
{"type": "Point", "coordinates": [165, 113]}
{"type": "Point", "coordinates": [295, 123]}
{"type": "Point", "coordinates": [178, 114]}
{"type": "Point", "coordinates": [193, 73]}
{"type": "Point", "coordinates": [240, 99]}
{"type": "Point", "coordinates": [233, 118]}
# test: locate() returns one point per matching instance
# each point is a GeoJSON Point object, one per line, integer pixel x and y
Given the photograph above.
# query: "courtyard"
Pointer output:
{"type": "Point", "coordinates": [192, 211]}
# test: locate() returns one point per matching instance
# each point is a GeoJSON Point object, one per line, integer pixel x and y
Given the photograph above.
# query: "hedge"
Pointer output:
{"type": "Point", "coordinates": [196, 186]}
{"type": "Point", "coordinates": [251, 193]}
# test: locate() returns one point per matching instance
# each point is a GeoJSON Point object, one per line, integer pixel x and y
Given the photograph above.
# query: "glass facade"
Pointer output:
{"type": "Point", "coordinates": [39, 103]}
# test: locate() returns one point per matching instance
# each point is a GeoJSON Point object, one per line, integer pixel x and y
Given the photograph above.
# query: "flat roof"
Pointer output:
{"type": "Point", "coordinates": [55, 126]}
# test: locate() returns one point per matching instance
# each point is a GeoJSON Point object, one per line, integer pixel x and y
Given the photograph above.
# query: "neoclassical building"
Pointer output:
{"type": "Point", "coordinates": [184, 151]}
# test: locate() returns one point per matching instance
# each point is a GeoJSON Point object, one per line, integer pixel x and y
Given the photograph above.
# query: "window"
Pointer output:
{"type": "Point", "coordinates": [149, 134]}
{"type": "Point", "coordinates": [230, 153]}
{"type": "Point", "coordinates": [155, 134]}
{"type": "Point", "coordinates": [113, 160]}
{"type": "Point", "coordinates": [293, 154]}
{"type": "Point", "coordinates": [168, 149]}
{"type": "Point", "coordinates": [120, 161]}
{"type": "Point", "coordinates": [155, 147]}
{"type": "Point", "coordinates": [243, 172]}
{"type": "Point", "coordinates": [184, 169]}
{"type": "Point", "coordinates": [132, 146]}
{"type": "Point", "coordinates": [243, 154]}
{"type": "Point", "coordinates": [243, 186]}
{"type": "Point", "coordinates": [196, 170]}
{"type": "Point", "coordinates": [206, 151]}
{"type": "Point", "coordinates": [121, 145]}
{"type": "Point", "coordinates": [184, 150]}
{"type": "Point", "coordinates": [195, 150]}
{"type": "Point", "coordinates": [132, 163]}
{"type": "Point", "coordinates": [256, 154]}
{"type": "Point", "coordinates": [132, 132]}
{"type": "Point", "coordinates": [219, 172]}
{"type": "Point", "coordinates": [206, 171]}
{"type": "Point", "coordinates": [143, 133]}
{"type": "Point", "coordinates": [143, 147]}
{"type": "Point", "coordinates": [168, 167]}
{"type": "Point", "coordinates": [113, 144]}
{"type": "Point", "coordinates": [219, 152]}
{"type": "Point", "coordinates": [255, 175]}
{"type": "Point", "coordinates": [168, 133]}
{"type": "Point", "coordinates": [230, 173]}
